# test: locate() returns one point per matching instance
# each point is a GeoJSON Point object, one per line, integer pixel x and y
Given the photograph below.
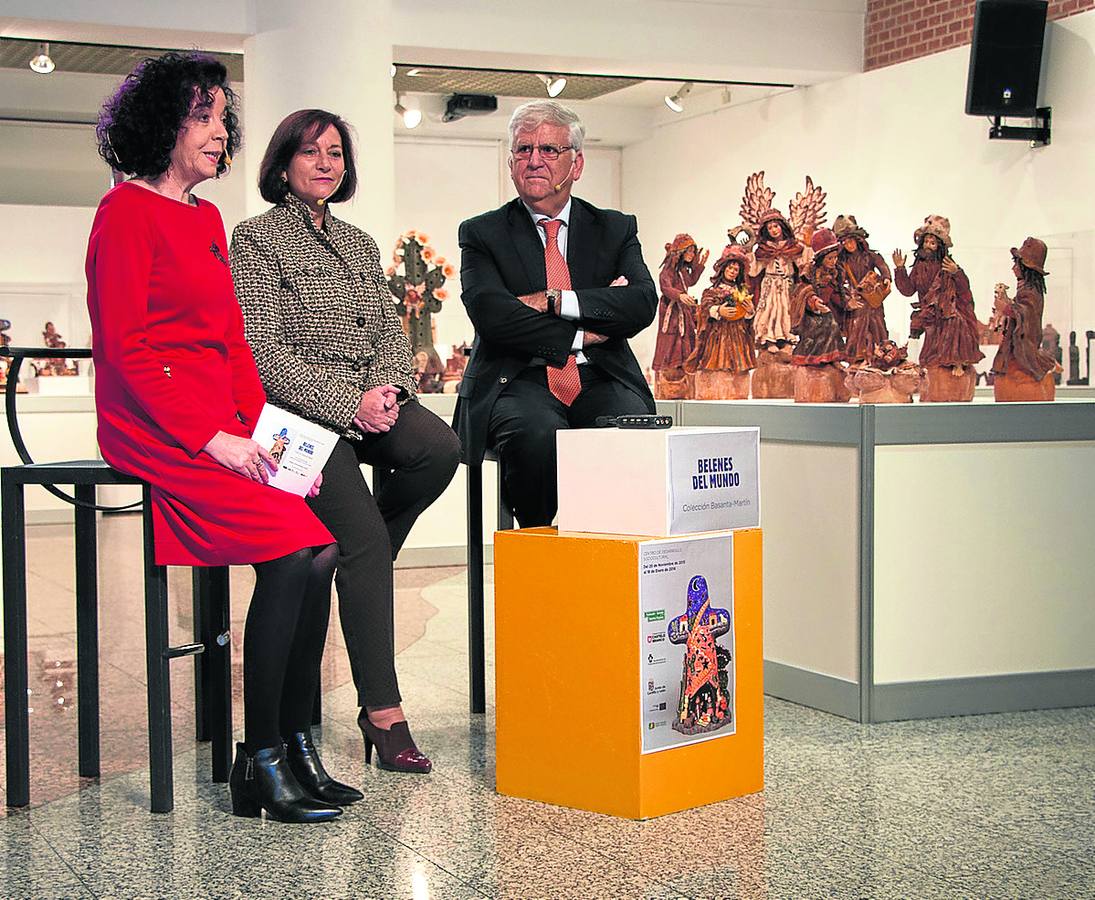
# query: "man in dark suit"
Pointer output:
{"type": "Point", "coordinates": [555, 287]}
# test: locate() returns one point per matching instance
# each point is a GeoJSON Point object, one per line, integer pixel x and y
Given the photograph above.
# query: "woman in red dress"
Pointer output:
{"type": "Point", "coordinates": [177, 396]}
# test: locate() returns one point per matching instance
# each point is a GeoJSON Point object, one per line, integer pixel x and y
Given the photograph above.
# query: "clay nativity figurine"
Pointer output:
{"type": "Point", "coordinates": [888, 377]}
{"type": "Point", "coordinates": [681, 269]}
{"type": "Point", "coordinates": [1022, 369]}
{"type": "Point", "coordinates": [724, 354]}
{"type": "Point", "coordinates": [58, 366]}
{"type": "Point", "coordinates": [867, 282]}
{"type": "Point", "coordinates": [781, 255]}
{"type": "Point", "coordinates": [819, 354]}
{"type": "Point", "coordinates": [942, 313]}
{"type": "Point", "coordinates": [418, 293]}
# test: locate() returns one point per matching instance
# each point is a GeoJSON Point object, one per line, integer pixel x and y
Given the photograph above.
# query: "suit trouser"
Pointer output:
{"type": "Point", "coordinates": [424, 453]}
{"type": "Point", "coordinates": [522, 429]}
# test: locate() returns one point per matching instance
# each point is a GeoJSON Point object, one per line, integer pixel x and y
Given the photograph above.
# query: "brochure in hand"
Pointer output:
{"type": "Point", "coordinates": [300, 447]}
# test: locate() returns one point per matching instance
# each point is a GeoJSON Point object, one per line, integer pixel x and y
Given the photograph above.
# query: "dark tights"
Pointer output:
{"type": "Point", "coordinates": [283, 643]}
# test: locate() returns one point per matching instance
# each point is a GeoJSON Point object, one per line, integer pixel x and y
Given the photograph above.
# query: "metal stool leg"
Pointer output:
{"type": "Point", "coordinates": [216, 665]}
{"type": "Point", "coordinates": [161, 770]}
{"type": "Point", "coordinates": [87, 632]}
{"type": "Point", "coordinates": [16, 725]}
{"type": "Point", "coordinates": [505, 514]}
{"type": "Point", "coordinates": [199, 588]}
{"type": "Point", "coordinates": [476, 676]}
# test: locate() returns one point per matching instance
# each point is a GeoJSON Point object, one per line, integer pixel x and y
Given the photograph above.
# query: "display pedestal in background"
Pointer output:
{"type": "Point", "coordinates": [925, 559]}
{"type": "Point", "coordinates": [573, 698]}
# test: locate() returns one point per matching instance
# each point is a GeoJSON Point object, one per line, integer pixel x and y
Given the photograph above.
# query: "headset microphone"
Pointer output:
{"type": "Point", "coordinates": [338, 184]}
{"type": "Point", "coordinates": [570, 174]}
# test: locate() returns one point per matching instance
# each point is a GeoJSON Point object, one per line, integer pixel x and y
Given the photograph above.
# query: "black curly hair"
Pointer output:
{"type": "Point", "coordinates": [139, 124]}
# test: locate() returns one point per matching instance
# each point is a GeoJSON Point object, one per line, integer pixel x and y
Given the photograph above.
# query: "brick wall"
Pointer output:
{"type": "Point", "coordinates": [897, 30]}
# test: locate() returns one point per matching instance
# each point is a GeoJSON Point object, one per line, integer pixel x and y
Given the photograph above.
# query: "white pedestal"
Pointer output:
{"type": "Point", "coordinates": [658, 481]}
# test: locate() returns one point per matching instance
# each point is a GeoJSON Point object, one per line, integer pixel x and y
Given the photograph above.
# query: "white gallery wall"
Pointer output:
{"type": "Point", "coordinates": [890, 147]}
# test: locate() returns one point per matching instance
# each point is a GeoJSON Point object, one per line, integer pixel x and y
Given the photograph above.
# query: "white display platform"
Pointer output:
{"type": "Point", "coordinates": [658, 481]}
{"type": "Point", "coordinates": [925, 560]}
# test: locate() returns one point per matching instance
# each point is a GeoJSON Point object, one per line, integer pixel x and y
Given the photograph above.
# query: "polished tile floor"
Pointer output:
{"type": "Point", "coordinates": [988, 806]}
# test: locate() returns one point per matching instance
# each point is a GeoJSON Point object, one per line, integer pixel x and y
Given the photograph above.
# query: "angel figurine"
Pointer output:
{"type": "Point", "coordinates": [724, 353]}
{"type": "Point", "coordinates": [780, 256]}
{"type": "Point", "coordinates": [1023, 370]}
{"type": "Point", "coordinates": [681, 269]}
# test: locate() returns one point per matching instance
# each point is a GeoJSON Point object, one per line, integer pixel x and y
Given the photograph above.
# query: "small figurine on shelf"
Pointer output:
{"type": "Point", "coordinates": [454, 368]}
{"type": "Point", "coordinates": [1022, 370]}
{"type": "Point", "coordinates": [780, 256]}
{"type": "Point", "coordinates": [888, 377]}
{"type": "Point", "coordinates": [54, 367]}
{"type": "Point", "coordinates": [818, 356]}
{"type": "Point", "coordinates": [1051, 344]}
{"type": "Point", "coordinates": [5, 341]}
{"type": "Point", "coordinates": [868, 282]}
{"type": "Point", "coordinates": [427, 372]}
{"type": "Point", "coordinates": [724, 354]}
{"type": "Point", "coordinates": [681, 269]}
{"type": "Point", "coordinates": [418, 292]}
{"type": "Point", "coordinates": [942, 313]}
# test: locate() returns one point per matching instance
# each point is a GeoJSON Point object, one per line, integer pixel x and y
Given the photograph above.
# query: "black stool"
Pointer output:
{"type": "Point", "coordinates": [476, 618]}
{"type": "Point", "coordinates": [213, 697]}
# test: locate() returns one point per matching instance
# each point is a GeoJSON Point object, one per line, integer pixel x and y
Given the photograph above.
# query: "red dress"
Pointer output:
{"type": "Point", "coordinates": [172, 369]}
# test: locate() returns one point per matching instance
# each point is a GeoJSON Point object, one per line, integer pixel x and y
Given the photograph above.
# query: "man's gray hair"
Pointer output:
{"type": "Point", "coordinates": [529, 116]}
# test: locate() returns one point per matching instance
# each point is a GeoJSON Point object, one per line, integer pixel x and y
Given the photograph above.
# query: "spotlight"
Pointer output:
{"type": "Point", "coordinates": [416, 72]}
{"type": "Point", "coordinates": [674, 101]}
{"type": "Point", "coordinates": [412, 118]}
{"type": "Point", "coordinates": [555, 84]}
{"type": "Point", "coordinates": [391, 70]}
{"type": "Point", "coordinates": [41, 63]}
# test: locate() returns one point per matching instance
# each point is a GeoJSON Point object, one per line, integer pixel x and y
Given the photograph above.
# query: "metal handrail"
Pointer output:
{"type": "Point", "coordinates": [17, 355]}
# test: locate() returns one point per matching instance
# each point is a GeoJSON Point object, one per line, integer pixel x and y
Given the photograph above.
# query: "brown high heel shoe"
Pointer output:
{"type": "Point", "coordinates": [395, 748]}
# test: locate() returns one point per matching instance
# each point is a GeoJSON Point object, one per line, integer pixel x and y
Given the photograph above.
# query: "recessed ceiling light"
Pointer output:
{"type": "Point", "coordinates": [41, 62]}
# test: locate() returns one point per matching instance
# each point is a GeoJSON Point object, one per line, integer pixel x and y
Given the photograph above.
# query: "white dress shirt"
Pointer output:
{"type": "Point", "coordinates": [568, 300]}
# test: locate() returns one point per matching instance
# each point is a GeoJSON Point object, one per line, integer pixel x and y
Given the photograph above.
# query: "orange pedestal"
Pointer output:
{"type": "Point", "coordinates": [570, 697]}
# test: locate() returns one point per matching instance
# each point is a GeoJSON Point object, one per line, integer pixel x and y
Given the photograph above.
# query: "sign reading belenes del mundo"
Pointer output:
{"type": "Point", "coordinates": [714, 481]}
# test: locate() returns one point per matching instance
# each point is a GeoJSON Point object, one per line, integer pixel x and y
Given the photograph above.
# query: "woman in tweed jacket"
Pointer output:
{"type": "Point", "coordinates": [330, 347]}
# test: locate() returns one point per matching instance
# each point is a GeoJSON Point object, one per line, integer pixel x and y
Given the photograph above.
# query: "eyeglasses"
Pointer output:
{"type": "Point", "coordinates": [547, 151]}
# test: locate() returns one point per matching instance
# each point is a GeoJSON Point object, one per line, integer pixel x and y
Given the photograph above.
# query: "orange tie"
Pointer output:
{"type": "Point", "coordinates": [564, 383]}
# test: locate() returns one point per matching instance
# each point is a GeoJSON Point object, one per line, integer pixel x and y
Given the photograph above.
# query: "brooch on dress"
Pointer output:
{"type": "Point", "coordinates": [216, 251]}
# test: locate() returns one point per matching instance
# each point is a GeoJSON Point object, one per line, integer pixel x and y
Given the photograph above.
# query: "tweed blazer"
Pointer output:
{"type": "Point", "coordinates": [318, 313]}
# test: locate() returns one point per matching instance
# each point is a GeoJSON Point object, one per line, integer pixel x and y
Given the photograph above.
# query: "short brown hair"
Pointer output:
{"type": "Point", "coordinates": [301, 127]}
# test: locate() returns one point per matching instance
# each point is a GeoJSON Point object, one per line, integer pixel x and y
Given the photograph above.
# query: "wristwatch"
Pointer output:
{"type": "Point", "coordinates": [554, 298]}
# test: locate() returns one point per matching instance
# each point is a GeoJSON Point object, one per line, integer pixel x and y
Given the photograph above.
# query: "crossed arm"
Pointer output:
{"type": "Point", "coordinates": [523, 323]}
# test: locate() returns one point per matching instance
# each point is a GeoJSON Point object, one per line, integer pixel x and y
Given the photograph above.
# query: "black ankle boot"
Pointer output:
{"type": "Point", "coordinates": [263, 780]}
{"type": "Point", "coordinates": [308, 768]}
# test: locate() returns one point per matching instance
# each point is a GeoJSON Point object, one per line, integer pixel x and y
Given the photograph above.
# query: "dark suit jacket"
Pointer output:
{"type": "Point", "coordinates": [501, 258]}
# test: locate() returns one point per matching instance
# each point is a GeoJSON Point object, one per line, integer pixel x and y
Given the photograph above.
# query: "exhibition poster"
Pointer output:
{"type": "Point", "coordinates": [686, 640]}
{"type": "Point", "coordinates": [301, 448]}
{"type": "Point", "coordinates": [714, 480]}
